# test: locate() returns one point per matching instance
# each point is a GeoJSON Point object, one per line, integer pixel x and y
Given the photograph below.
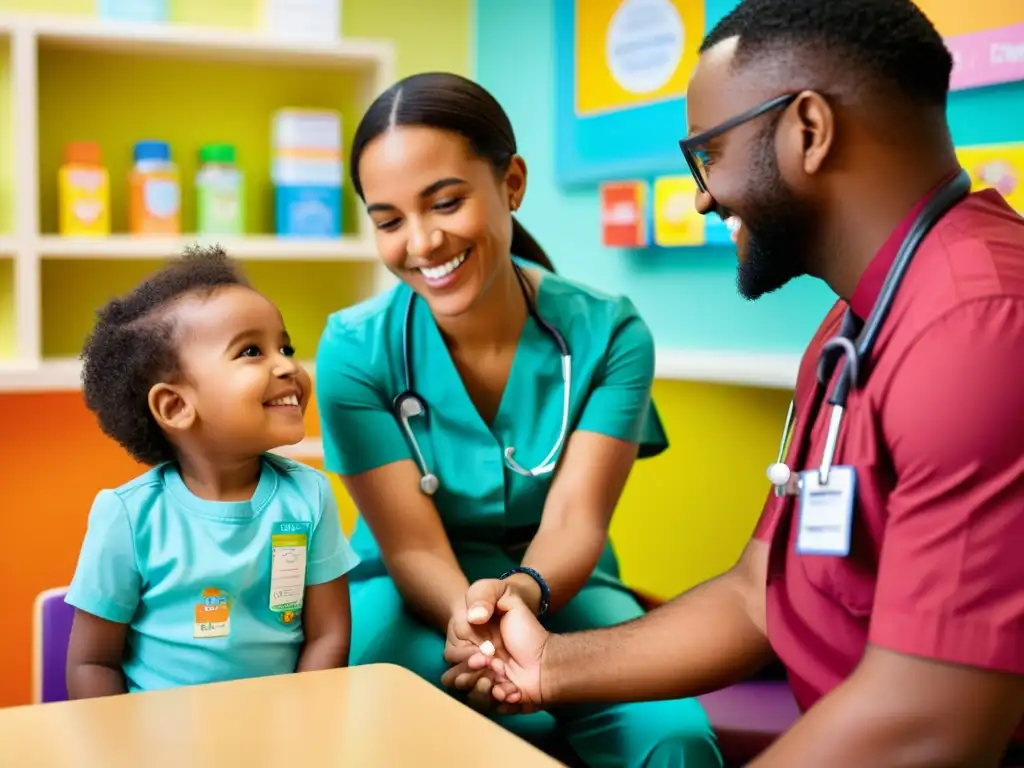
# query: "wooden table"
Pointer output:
{"type": "Point", "coordinates": [373, 715]}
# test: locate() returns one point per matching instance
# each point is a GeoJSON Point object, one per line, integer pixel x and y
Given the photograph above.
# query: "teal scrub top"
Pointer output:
{"type": "Point", "coordinates": [482, 502]}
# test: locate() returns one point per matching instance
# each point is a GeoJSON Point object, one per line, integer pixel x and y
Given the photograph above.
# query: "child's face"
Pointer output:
{"type": "Point", "coordinates": [243, 392]}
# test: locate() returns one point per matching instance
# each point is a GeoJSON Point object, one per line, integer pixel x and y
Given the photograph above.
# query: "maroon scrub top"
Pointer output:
{"type": "Point", "coordinates": [936, 436]}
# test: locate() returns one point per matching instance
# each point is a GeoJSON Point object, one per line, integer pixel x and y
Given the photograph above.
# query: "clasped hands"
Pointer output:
{"type": "Point", "coordinates": [506, 673]}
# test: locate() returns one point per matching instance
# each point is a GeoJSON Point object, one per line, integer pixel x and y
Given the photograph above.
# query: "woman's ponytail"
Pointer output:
{"type": "Point", "coordinates": [525, 247]}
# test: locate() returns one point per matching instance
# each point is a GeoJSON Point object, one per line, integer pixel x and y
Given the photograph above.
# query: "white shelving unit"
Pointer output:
{"type": "Point", "coordinates": [753, 369]}
{"type": "Point", "coordinates": [252, 248]}
{"type": "Point", "coordinates": [370, 63]}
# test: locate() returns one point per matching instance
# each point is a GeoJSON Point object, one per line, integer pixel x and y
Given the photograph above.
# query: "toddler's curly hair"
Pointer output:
{"type": "Point", "coordinates": [134, 345]}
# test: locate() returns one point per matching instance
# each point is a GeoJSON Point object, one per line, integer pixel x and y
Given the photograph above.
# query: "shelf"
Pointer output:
{"type": "Point", "coordinates": [8, 246]}
{"type": "Point", "coordinates": [754, 369]}
{"type": "Point", "coordinates": [50, 376]}
{"type": "Point", "coordinates": [197, 43]}
{"type": "Point", "coordinates": [254, 248]}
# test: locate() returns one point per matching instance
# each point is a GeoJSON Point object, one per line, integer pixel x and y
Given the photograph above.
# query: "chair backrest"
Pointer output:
{"type": "Point", "coordinates": [51, 631]}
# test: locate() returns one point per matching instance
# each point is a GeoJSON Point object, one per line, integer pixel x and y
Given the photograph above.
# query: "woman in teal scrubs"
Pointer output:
{"type": "Point", "coordinates": [486, 467]}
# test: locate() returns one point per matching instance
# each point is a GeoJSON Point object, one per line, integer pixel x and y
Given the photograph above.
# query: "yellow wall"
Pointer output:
{"type": "Point", "coordinates": [306, 296]}
{"type": "Point", "coordinates": [687, 513]}
{"type": "Point", "coordinates": [7, 348]}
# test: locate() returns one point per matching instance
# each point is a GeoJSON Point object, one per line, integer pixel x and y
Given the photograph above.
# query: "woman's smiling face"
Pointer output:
{"type": "Point", "coordinates": [440, 213]}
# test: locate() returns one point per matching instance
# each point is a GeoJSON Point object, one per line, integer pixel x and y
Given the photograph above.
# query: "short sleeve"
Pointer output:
{"type": "Point", "coordinates": [107, 581]}
{"type": "Point", "coordinates": [951, 576]}
{"type": "Point", "coordinates": [330, 554]}
{"type": "Point", "coordinates": [620, 403]}
{"type": "Point", "coordinates": [358, 428]}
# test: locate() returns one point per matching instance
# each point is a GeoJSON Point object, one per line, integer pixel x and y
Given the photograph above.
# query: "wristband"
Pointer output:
{"type": "Point", "coordinates": [545, 591]}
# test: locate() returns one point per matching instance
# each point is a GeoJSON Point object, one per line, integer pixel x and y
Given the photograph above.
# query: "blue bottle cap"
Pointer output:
{"type": "Point", "coordinates": [152, 150]}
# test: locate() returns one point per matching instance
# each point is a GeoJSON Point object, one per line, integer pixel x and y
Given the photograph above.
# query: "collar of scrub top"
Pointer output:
{"type": "Point", "coordinates": [855, 342]}
{"type": "Point", "coordinates": [409, 403]}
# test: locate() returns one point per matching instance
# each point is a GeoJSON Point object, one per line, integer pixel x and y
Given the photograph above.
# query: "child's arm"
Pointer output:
{"type": "Point", "coordinates": [326, 613]}
{"type": "Point", "coordinates": [94, 657]}
{"type": "Point", "coordinates": [105, 593]}
{"type": "Point", "coordinates": [327, 624]}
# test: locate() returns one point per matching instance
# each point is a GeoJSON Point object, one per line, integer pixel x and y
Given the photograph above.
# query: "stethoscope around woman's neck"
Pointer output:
{"type": "Point", "coordinates": [409, 404]}
{"type": "Point", "coordinates": [855, 349]}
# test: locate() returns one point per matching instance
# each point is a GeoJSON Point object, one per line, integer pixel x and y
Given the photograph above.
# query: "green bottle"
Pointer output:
{"type": "Point", "coordinates": [219, 185]}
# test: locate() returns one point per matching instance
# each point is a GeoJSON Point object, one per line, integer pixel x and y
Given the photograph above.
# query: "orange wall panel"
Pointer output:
{"type": "Point", "coordinates": [53, 460]}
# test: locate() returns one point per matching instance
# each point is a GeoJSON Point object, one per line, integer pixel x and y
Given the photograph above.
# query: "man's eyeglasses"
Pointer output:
{"type": "Point", "coordinates": [693, 146]}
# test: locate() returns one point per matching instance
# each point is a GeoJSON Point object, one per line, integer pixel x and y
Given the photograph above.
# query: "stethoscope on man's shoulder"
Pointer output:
{"type": "Point", "coordinates": [854, 350]}
{"type": "Point", "coordinates": [408, 403]}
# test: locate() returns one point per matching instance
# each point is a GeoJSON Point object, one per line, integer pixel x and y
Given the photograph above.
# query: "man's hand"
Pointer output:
{"type": "Point", "coordinates": [514, 671]}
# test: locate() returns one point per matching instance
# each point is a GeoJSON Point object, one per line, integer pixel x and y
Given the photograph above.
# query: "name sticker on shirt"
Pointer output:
{"type": "Point", "coordinates": [212, 615]}
{"type": "Point", "coordinates": [826, 512]}
{"type": "Point", "coordinates": [288, 545]}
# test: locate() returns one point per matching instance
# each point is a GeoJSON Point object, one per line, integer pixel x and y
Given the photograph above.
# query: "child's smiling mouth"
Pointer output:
{"type": "Point", "coordinates": [285, 401]}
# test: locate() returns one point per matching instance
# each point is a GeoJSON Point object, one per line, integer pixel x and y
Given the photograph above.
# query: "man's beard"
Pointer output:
{"type": "Point", "coordinates": [780, 229]}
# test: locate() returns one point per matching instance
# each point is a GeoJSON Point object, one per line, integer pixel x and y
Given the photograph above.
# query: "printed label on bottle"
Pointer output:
{"type": "Point", "coordinates": [161, 197]}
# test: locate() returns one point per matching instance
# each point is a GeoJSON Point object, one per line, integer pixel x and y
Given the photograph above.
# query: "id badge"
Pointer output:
{"type": "Point", "coordinates": [826, 512]}
{"type": "Point", "coordinates": [288, 546]}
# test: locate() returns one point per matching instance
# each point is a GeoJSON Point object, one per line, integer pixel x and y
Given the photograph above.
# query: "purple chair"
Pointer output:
{"type": "Point", "coordinates": [749, 716]}
{"type": "Point", "coordinates": [51, 631]}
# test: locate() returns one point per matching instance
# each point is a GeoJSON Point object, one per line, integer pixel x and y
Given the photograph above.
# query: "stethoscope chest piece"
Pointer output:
{"type": "Point", "coordinates": [409, 405]}
{"type": "Point", "coordinates": [429, 483]}
{"type": "Point", "coordinates": [779, 474]}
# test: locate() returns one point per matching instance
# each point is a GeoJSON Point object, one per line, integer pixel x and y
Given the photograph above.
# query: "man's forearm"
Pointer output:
{"type": "Point", "coordinates": [701, 641]}
{"type": "Point", "coordinates": [90, 681]}
{"type": "Point", "coordinates": [432, 583]}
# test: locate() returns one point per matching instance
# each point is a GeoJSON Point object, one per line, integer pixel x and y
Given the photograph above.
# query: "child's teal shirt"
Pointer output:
{"type": "Point", "coordinates": [212, 590]}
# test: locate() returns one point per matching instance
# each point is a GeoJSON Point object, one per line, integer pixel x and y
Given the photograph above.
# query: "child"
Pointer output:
{"type": "Point", "coordinates": [222, 561]}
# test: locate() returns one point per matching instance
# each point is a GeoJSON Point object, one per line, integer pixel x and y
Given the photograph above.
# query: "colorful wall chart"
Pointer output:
{"type": "Point", "coordinates": [986, 38]}
{"type": "Point", "coordinates": [622, 67]}
{"type": "Point", "coordinates": [632, 53]}
{"type": "Point", "coordinates": [997, 166]}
